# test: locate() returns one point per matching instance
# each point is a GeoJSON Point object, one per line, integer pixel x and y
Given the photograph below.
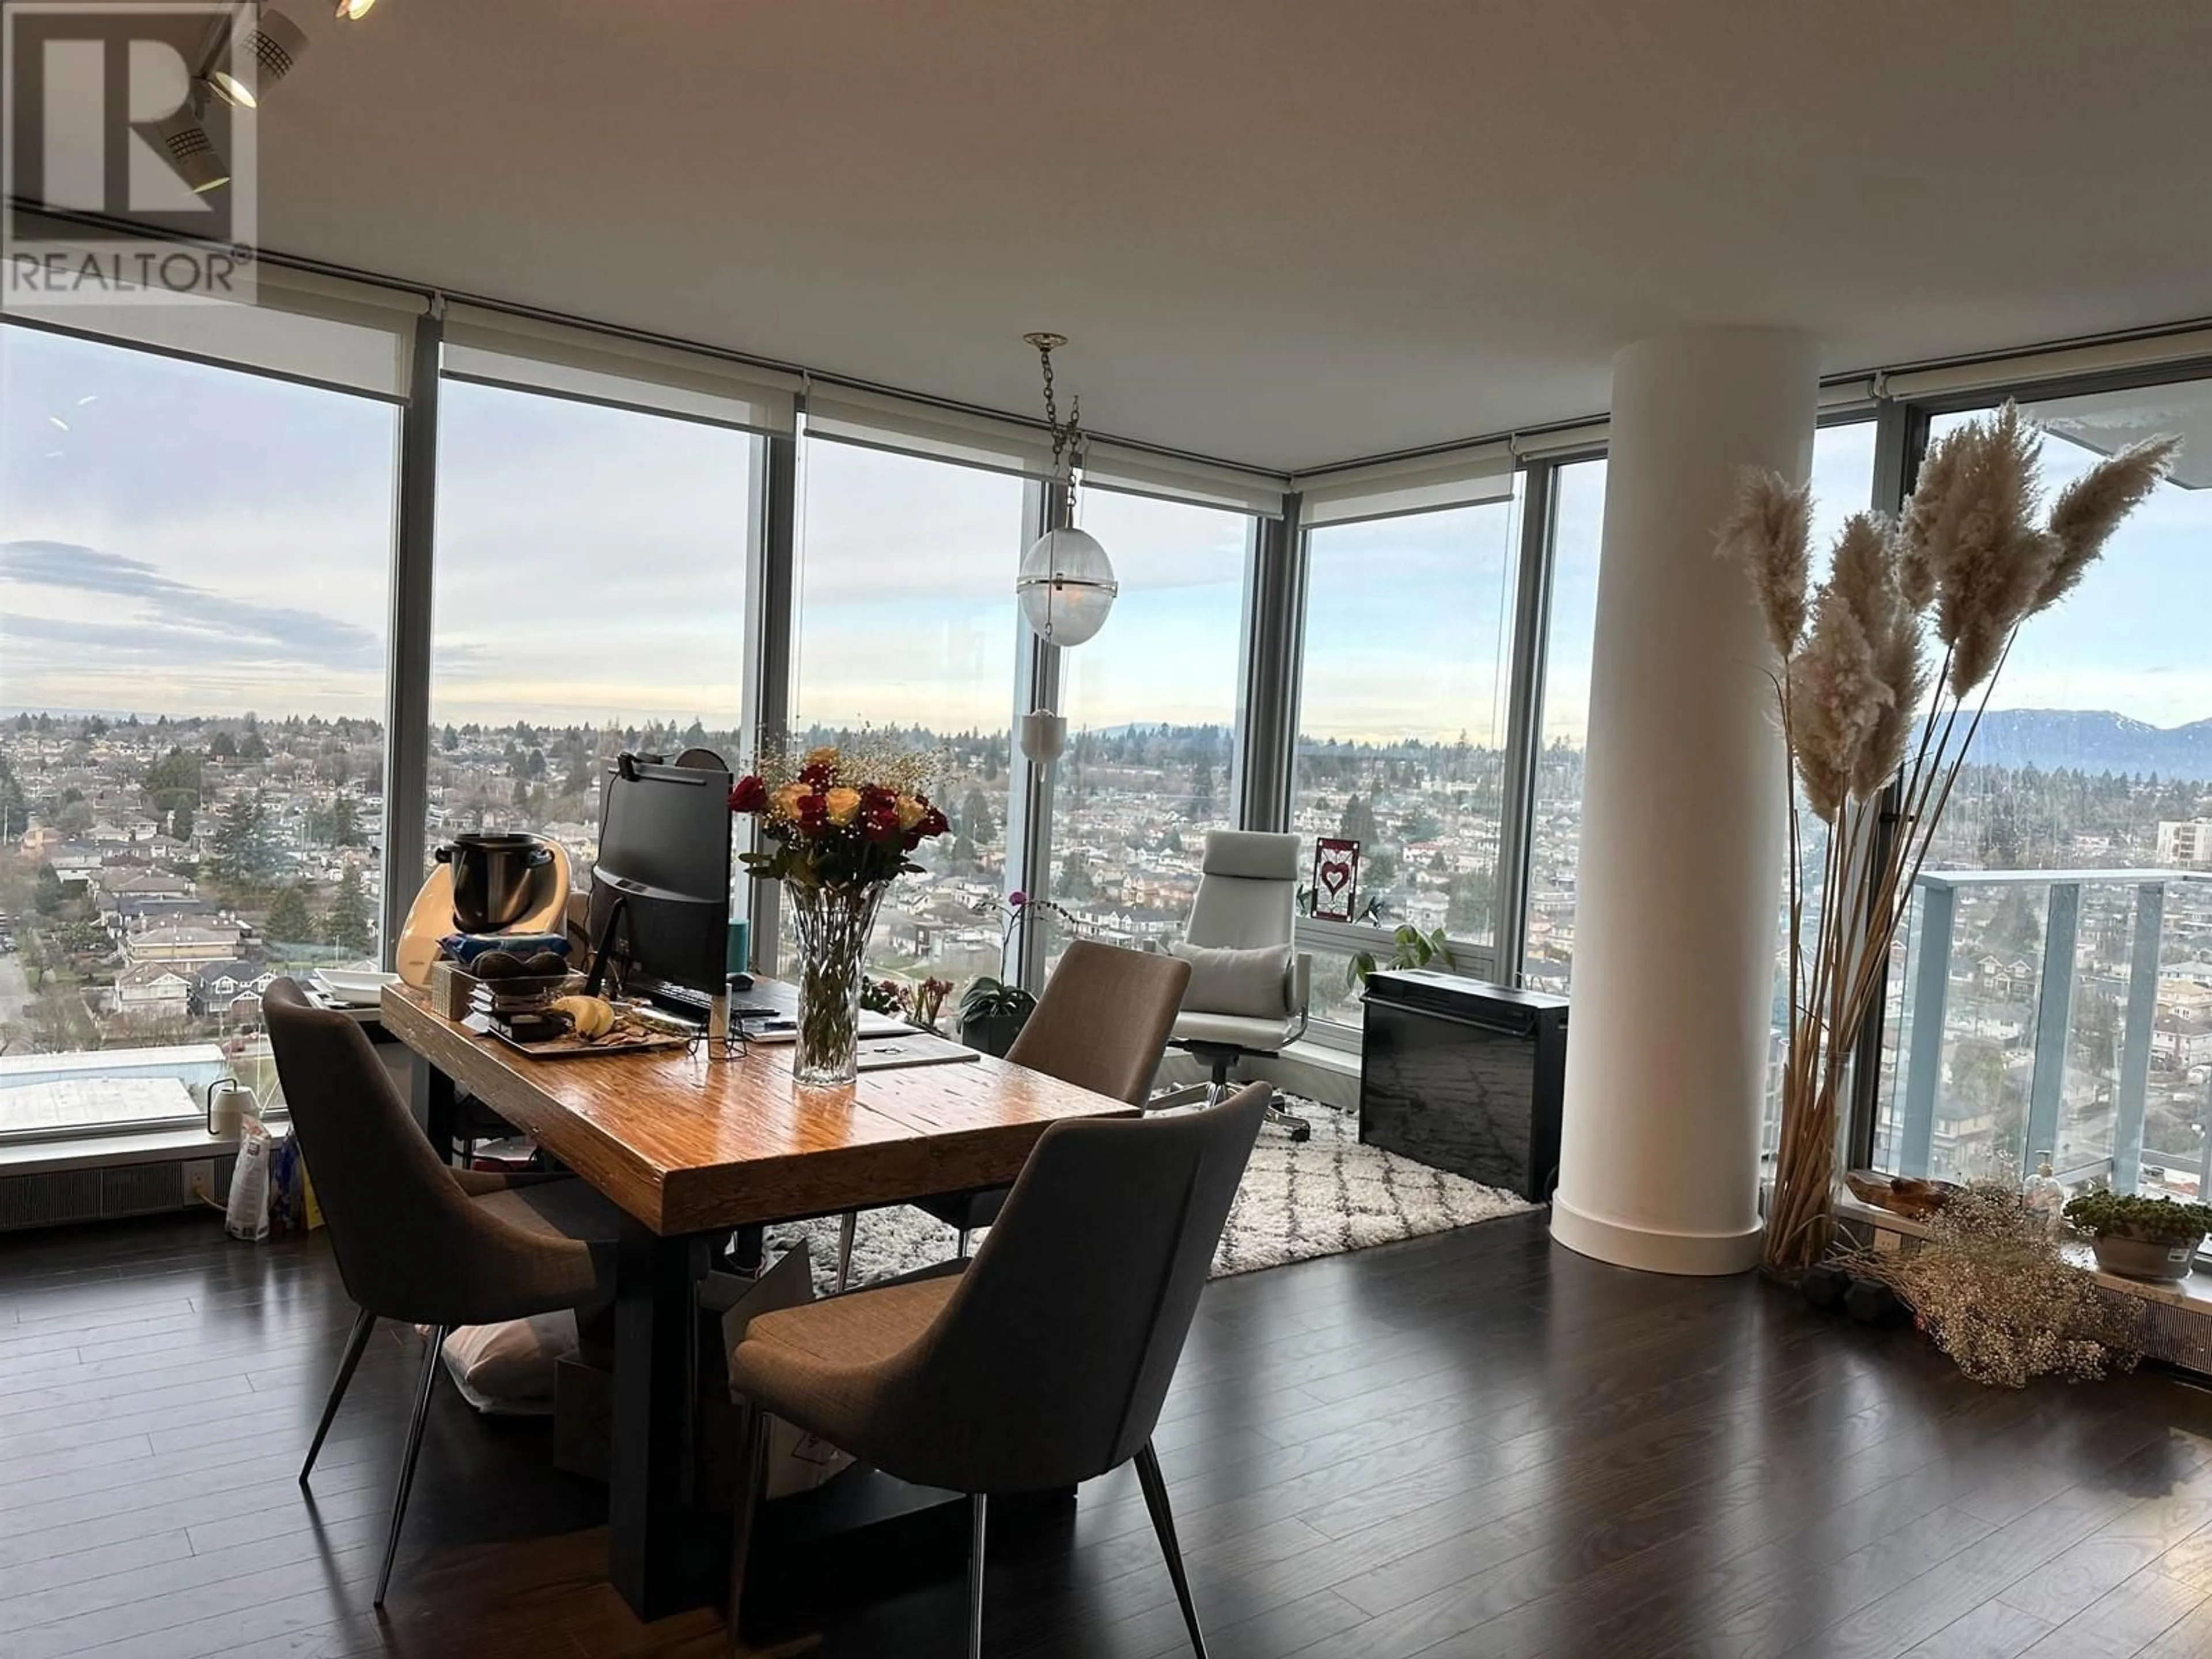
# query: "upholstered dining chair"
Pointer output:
{"type": "Point", "coordinates": [417, 1242]}
{"type": "Point", "coordinates": [1101, 1024]}
{"type": "Point", "coordinates": [1041, 1363]}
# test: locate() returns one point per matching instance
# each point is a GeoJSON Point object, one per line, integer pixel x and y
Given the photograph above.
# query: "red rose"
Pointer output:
{"type": "Point", "coordinates": [813, 810]}
{"type": "Point", "coordinates": [818, 776]}
{"type": "Point", "coordinates": [934, 822]}
{"type": "Point", "coordinates": [880, 827]}
{"type": "Point", "coordinates": [749, 794]}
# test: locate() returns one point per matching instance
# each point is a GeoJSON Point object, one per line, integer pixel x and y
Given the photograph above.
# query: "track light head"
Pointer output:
{"type": "Point", "coordinates": [352, 11]}
{"type": "Point", "coordinates": [257, 59]}
{"type": "Point", "coordinates": [184, 137]}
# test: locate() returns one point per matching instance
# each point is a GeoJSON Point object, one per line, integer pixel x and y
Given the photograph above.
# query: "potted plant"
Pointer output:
{"type": "Point", "coordinates": [993, 1013]}
{"type": "Point", "coordinates": [993, 1010]}
{"type": "Point", "coordinates": [1411, 949]}
{"type": "Point", "coordinates": [2135, 1238]}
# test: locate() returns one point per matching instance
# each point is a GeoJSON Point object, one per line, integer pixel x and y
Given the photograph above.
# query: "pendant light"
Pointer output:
{"type": "Point", "coordinates": [1065, 584]}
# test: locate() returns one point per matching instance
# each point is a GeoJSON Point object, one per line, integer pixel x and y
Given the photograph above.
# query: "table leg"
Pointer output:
{"type": "Point", "coordinates": [654, 1555]}
{"type": "Point", "coordinates": [434, 1108]}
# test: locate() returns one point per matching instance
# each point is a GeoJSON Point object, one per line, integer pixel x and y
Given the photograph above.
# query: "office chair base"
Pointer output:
{"type": "Point", "coordinates": [1220, 1088]}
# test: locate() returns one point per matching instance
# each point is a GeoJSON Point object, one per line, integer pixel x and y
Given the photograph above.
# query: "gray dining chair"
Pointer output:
{"type": "Point", "coordinates": [1041, 1363]}
{"type": "Point", "coordinates": [416, 1241]}
{"type": "Point", "coordinates": [1101, 1024]}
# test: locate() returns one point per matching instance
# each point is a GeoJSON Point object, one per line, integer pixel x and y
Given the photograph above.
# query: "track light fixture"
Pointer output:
{"type": "Point", "coordinates": [352, 11]}
{"type": "Point", "coordinates": [257, 59]}
{"type": "Point", "coordinates": [183, 135]}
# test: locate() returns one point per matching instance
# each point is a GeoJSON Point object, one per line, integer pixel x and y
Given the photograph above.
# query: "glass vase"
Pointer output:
{"type": "Point", "coordinates": [832, 925]}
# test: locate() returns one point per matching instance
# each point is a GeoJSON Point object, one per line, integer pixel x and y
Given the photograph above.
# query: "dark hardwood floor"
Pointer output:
{"type": "Point", "coordinates": [1471, 1444]}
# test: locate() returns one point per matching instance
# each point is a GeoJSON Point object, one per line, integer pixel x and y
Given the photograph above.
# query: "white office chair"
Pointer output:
{"type": "Point", "coordinates": [1247, 899]}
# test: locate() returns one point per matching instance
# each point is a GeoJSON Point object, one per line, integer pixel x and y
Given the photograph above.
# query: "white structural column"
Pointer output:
{"type": "Point", "coordinates": [1681, 864]}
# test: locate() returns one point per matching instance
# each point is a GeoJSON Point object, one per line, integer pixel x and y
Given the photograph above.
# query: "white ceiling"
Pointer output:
{"type": "Point", "coordinates": [1279, 231]}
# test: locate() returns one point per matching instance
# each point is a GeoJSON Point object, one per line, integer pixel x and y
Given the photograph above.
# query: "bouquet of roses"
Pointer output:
{"type": "Point", "coordinates": [837, 819]}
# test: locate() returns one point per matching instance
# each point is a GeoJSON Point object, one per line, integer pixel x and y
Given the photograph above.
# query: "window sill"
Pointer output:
{"type": "Point", "coordinates": [94, 1152]}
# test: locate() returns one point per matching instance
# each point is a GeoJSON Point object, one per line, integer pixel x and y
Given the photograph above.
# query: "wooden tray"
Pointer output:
{"type": "Point", "coordinates": [573, 1047]}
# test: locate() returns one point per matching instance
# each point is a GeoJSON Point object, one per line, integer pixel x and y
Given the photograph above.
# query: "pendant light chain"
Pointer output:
{"type": "Point", "coordinates": [1068, 441]}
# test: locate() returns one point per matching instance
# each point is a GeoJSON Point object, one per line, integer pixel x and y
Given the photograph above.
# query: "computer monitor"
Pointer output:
{"type": "Point", "coordinates": [660, 888]}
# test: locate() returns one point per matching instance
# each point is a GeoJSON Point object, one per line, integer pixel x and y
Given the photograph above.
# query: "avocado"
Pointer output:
{"type": "Point", "coordinates": [497, 964]}
{"type": "Point", "coordinates": [546, 965]}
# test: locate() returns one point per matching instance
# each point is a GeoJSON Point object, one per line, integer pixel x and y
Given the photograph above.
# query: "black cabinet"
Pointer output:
{"type": "Point", "coordinates": [1465, 1077]}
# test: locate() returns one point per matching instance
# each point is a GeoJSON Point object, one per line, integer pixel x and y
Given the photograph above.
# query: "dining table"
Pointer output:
{"type": "Point", "coordinates": [701, 1147]}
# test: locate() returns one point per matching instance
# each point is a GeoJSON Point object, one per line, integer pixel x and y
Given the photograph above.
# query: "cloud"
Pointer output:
{"type": "Point", "coordinates": [174, 618]}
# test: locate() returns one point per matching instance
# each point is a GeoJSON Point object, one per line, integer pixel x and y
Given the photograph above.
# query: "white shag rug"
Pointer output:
{"type": "Point", "coordinates": [1299, 1200]}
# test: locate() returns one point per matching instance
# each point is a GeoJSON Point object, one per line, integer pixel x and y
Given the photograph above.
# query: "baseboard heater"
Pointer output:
{"type": "Point", "coordinates": [1465, 1076]}
{"type": "Point", "coordinates": [86, 1191]}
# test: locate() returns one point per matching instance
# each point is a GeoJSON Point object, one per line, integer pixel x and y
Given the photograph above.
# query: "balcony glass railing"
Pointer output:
{"type": "Point", "coordinates": [2059, 1012]}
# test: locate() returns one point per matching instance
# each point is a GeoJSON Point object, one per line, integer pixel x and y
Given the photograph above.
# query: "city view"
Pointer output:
{"type": "Point", "coordinates": [159, 873]}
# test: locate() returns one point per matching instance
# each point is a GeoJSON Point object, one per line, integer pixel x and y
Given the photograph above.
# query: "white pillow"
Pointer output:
{"type": "Point", "coordinates": [1247, 984]}
{"type": "Point", "coordinates": [507, 1369]}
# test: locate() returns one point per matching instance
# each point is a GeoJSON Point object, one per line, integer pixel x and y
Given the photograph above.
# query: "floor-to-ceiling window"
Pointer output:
{"type": "Point", "coordinates": [1842, 480]}
{"type": "Point", "coordinates": [589, 597]}
{"type": "Point", "coordinates": [195, 569]}
{"type": "Point", "coordinates": [907, 629]}
{"type": "Point", "coordinates": [1402, 722]}
{"type": "Point", "coordinates": [2053, 994]}
{"type": "Point", "coordinates": [1151, 705]}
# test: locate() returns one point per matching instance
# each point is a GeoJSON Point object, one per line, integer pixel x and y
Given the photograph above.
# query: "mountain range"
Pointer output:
{"type": "Point", "coordinates": [2094, 741]}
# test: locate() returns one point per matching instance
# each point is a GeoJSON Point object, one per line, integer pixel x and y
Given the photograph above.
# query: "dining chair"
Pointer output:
{"type": "Point", "coordinates": [1042, 1361]}
{"type": "Point", "coordinates": [416, 1241]}
{"type": "Point", "coordinates": [1101, 1024]}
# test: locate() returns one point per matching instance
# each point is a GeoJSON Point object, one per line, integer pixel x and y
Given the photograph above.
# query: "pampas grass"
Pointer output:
{"type": "Point", "coordinates": [1770, 534]}
{"type": "Point", "coordinates": [2088, 510]}
{"type": "Point", "coordinates": [1861, 713]}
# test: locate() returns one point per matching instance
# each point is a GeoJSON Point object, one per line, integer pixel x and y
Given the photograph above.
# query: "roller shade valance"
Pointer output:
{"type": "Point", "coordinates": [302, 325]}
{"type": "Point", "coordinates": [1419, 484]}
{"type": "Point", "coordinates": [913, 426]}
{"type": "Point", "coordinates": [1997, 373]}
{"type": "Point", "coordinates": [1180, 478]}
{"type": "Point", "coordinates": [532, 354]}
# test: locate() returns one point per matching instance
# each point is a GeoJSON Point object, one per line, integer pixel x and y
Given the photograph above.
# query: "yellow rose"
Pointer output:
{"type": "Point", "coordinates": [910, 811]}
{"type": "Point", "coordinates": [783, 805]}
{"type": "Point", "coordinates": [825, 756]}
{"type": "Point", "coordinates": [843, 805]}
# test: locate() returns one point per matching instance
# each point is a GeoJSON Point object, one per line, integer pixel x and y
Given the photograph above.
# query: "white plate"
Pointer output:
{"type": "Point", "coordinates": [356, 987]}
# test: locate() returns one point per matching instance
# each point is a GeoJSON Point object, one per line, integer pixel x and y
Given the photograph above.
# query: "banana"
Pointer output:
{"type": "Point", "coordinates": [592, 1016]}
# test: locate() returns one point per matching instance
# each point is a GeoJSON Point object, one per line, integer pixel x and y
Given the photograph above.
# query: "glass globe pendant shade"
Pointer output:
{"type": "Point", "coordinates": [1067, 587]}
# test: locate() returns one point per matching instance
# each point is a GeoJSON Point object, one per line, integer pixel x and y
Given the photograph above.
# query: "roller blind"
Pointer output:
{"type": "Point", "coordinates": [357, 336]}
{"type": "Point", "coordinates": [1421, 483]}
{"type": "Point", "coordinates": [565, 361]}
{"type": "Point", "coordinates": [1591, 435]}
{"type": "Point", "coordinates": [881, 420]}
{"type": "Point", "coordinates": [1179, 478]}
{"type": "Point", "coordinates": [2051, 365]}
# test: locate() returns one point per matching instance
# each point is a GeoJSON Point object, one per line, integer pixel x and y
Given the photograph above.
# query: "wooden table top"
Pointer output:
{"type": "Point", "coordinates": [686, 1142]}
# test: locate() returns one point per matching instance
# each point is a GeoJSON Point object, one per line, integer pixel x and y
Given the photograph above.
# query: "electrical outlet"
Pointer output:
{"type": "Point", "coordinates": [199, 1180]}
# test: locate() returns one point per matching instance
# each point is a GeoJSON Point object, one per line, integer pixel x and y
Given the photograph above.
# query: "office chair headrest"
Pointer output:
{"type": "Point", "coordinates": [1254, 854]}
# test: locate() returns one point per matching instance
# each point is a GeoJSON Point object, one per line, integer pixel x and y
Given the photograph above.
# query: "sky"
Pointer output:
{"type": "Point", "coordinates": [179, 540]}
